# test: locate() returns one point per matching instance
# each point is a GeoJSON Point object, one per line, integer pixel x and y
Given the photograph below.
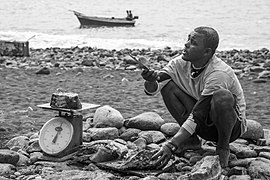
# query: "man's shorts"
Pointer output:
{"type": "Point", "coordinates": [205, 127]}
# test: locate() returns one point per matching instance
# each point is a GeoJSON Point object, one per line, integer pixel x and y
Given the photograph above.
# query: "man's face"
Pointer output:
{"type": "Point", "coordinates": [194, 47]}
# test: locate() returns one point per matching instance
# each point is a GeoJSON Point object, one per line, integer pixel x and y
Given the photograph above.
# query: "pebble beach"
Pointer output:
{"type": "Point", "coordinates": [108, 77]}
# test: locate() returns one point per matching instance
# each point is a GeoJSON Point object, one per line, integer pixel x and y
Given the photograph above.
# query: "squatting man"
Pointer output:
{"type": "Point", "coordinates": [202, 93]}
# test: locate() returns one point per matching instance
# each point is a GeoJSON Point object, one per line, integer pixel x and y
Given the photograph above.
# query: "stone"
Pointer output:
{"type": "Point", "coordinates": [6, 169]}
{"type": "Point", "coordinates": [237, 171]}
{"type": "Point", "coordinates": [103, 155]}
{"type": "Point", "coordinates": [19, 141]}
{"type": "Point", "coordinates": [246, 153]}
{"type": "Point", "coordinates": [259, 149]}
{"type": "Point", "coordinates": [106, 116]}
{"type": "Point", "coordinates": [8, 156]}
{"type": "Point", "coordinates": [265, 155]}
{"type": "Point", "coordinates": [33, 146]}
{"type": "Point", "coordinates": [259, 168]}
{"type": "Point", "coordinates": [170, 129]}
{"type": "Point", "coordinates": [35, 156]}
{"type": "Point", "coordinates": [23, 160]}
{"type": "Point", "coordinates": [254, 130]}
{"type": "Point", "coordinates": [150, 178]}
{"type": "Point", "coordinates": [79, 174]}
{"type": "Point", "coordinates": [240, 177]}
{"type": "Point", "coordinates": [169, 176]}
{"type": "Point", "coordinates": [266, 134]}
{"type": "Point", "coordinates": [145, 121]}
{"type": "Point", "coordinates": [240, 162]}
{"type": "Point", "coordinates": [87, 62]}
{"type": "Point", "coordinates": [140, 143]}
{"type": "Point", "coordinates": [103, 133]}
{"type": "Point", "coordinates": [86, 137]}
{"type": "Point", "coordinates": [141, 160]}
{"type": "Point", "coordinates": [130, 134]}
{"type": "Point", "coordinates": [207, 168]}
{"type": "Point", "coordinates": [241, 141]}
{"type": "Point", "coordinates": [43, 70]}
{"type": "Point", "coordinates": [194, 159]}
{"type": "Point", "coordinates": [153, 136]}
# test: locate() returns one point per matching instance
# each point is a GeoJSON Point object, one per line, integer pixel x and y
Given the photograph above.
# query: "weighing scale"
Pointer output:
{"type": "Point", "coordinates": [62, 134]}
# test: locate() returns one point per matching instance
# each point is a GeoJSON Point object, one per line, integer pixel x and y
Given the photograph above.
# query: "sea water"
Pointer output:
{"type": "Point", "coordinates": [242, 24]}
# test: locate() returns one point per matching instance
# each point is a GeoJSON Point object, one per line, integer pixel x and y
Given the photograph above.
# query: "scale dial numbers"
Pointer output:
{"type": "Point", "coordinates": [55, 135]}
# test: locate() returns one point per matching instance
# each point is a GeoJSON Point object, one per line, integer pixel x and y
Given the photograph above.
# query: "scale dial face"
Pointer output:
{"type": "Point", "coordinates": [55, 135]}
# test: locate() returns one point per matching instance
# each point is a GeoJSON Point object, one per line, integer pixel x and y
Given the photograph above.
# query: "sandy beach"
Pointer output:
{"type": "Point", "coordinates": [112, 79]}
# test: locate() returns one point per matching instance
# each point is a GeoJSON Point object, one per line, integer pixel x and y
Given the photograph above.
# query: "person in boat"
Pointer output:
{"type": "Point", "coordinates": [129, 15]}
{"type": "Point", "coordinates": [203, 95]}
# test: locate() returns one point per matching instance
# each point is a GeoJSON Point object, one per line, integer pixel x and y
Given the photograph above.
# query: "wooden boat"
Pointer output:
{"type": "Point", "coordinates": [87, 21]}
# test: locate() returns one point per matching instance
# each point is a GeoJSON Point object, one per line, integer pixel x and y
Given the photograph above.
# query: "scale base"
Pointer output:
{"type": "Point", "coordinates": [75, 118]}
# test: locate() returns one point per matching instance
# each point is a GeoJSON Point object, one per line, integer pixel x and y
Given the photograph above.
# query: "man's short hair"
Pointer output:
{"type": "Point", "coordinates": [211, 37]}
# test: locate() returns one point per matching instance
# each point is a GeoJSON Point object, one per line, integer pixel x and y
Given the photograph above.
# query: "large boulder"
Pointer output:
{"type": "Point", "coordinates": [145, 121]}
{"type": "Point", "coordinates": [106, 116]}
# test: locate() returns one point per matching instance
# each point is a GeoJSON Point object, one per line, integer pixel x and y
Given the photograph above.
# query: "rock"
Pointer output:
{"type": "Point", "coordinates": [107, 116]}
{"type": "Point", "coordinates": [140, 143]}
{"type": "Point", "coordinates": [259, 168]}
{"type": "Point", "coordinates": [265, 155]}
{"type": "Point", "coordinates": [8, 156]}
{"type": "Point", "coordinates": [259, 149]}
{"type": "Point", "coordinates": [194, 159]}
{"type": "Point", "coordinates": [240, 177]}
{"type": "Point", "coordinates": [6, 169]}
{"type": "Point", "coordinates": [256, 69]}
{"type": "Point", "coordinates": [246, 153]}
{"type": "Point", "coordinates": [241, 141]}
{"type": "Point", "coordinates": [35, 156]}
{"type": "Point", "coordinates": [33, 146]}
{"type": "Point", "coordinates": [237, 171]}
{"type": "Point", "coordinates": [79, 174]}
{"type": "Point", "coordinates": [264, 74]}
{"type": "Point", "coordinates": [130, 134]}
{"type": "Point", "coordinates": [23, 160]}
{"type": "Point", "coordinates": [254, 130]}
{"type": "Point", "coordinates": [150, 178]}
{"type": "Point", "coordinates": [266, 134]}
{"type": "Point", "coordinates": [140, 161]}
{"type": "Point", "coordinates": [259, 80]}
{"type": "Point", "coordinates": [242, 151]}
{"type": "Point", "coordinates": [43, 70]}
{"type": "Point", "coordinates": [153, 136]}
{"type": "Point", "coordinates": [145, 121]}
{"type": "Point", "coordinates": [170, 129]}
{"type": "Point", "coordinates": [240, 162]}
{"type": "Point", "coordinates": [207, 168]}
{"type": "Point", "coordinates": [88, 62]}
{"type": "Point", "coordinates": [19, 141]}
{"type": "Point", "coordinates": [103, 155]}
{"type": "Point", "coordinates": [102, 133]}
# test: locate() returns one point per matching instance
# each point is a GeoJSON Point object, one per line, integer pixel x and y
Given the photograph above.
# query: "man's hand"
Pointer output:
{"type": "Point", "coordinates": [150, 75]}
{"type": "Point", "coordinates": [163, 155]}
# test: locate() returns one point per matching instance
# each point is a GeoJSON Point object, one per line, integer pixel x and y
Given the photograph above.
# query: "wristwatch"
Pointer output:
{"type": "Point", "coordinates": [171, 146]}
